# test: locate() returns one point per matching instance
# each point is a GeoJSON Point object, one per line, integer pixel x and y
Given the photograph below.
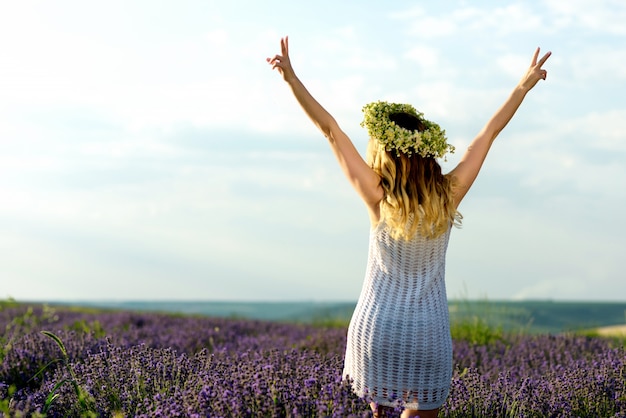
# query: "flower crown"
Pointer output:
{"type": "Point", "coordinates": [431, 142]}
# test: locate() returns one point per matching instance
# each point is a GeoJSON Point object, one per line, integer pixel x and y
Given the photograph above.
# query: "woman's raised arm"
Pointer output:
{"type": "Point", "coordinates": [466, 171]}
{"type": "Point", "coordinates": [365, 181]}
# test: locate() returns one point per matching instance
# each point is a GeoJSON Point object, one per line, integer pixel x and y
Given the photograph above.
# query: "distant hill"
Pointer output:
{"type": "Point", "coordinates": [530, 316]}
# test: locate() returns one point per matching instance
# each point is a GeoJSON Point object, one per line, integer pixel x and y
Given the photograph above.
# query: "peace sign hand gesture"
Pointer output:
{"type": "Point", "coordinates": [281, 62]}
{"type": "Point", "coordinates": [535, 72]}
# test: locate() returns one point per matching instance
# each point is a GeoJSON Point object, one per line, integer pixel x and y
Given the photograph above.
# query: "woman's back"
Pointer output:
{"type": "Point", "coordinates": [413, 264]}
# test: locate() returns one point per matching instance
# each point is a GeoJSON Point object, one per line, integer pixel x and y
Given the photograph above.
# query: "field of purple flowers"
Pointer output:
{"type": "Point", "coordinates": [127, 364]}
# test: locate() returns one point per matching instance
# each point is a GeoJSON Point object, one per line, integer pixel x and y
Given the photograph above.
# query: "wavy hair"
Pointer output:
{"type": "Point", "coordinates": [418, 197]}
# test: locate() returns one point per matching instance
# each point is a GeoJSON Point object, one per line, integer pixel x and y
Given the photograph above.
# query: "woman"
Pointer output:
{"type": "Point", "coordinates": [399, 349]}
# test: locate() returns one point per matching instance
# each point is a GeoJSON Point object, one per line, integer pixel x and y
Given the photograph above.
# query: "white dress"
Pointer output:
{"type": "Point", "coordinates": [399, 349]}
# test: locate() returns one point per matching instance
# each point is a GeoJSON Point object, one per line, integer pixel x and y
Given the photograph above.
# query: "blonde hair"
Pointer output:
{"type": "Point", "coordinates": [418, 197]}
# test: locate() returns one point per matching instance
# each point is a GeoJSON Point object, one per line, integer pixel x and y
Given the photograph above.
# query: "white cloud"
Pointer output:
{"type": "Point", "coordinates": [564, 287]}
{"type": "Point", "coordinates": [498, 21]}
{"type": "Point", "coordinates": [504, 20]}
{"type": "Point", "coordinates": [599, 64]}
{"type": "Point", "coordinates": [513, 64]}
{"type": "Point", "coordinates": [427, 58]}
{"type": "Point", "coordinates": [428, 27]}
{"type": "Point", "coordinates": [603, 15]}
{"type": "Point", "coordinates": [605, 131]}
{"type": "Point", "coordinates": [410, 13]}
{"type": "Point", "coordinates": [458, 105]}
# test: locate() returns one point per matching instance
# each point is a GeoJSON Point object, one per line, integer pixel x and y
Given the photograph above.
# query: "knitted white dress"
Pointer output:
{"type": "Point", "coordinates": [399, 346]}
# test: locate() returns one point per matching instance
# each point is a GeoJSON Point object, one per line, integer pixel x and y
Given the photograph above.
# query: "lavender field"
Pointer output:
{"type": "Point", "coordinates": [109, 363]}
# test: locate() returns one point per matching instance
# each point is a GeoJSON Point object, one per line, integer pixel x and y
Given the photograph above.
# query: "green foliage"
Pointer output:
{"type": "Point", "coordinates": [92, 327]}
{"type": "Point", "coordinates": [86, 403]}
{"type": "Point", "coordinates": [330, 322]}
{"type": "Point", "coordinates": [22, 324]}
{"type": "Point", "coordinates": [473, 322]}
{"type": "Point", "coordinates": [483, 322]}
{"type": "Point", "coordinates": [5, 401]}
{"type": "Point", "coordinates": [476, 331]}
{"type": "Point", "coordinates": [8, 303]}
{"type": "Point", "coordinates": [5, 406]}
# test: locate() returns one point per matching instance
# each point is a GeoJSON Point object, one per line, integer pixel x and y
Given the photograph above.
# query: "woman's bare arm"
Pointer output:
{"type": "Point", "coordinates": [365, 181]}
{"type": "Point", "coordinates": [468, 168]}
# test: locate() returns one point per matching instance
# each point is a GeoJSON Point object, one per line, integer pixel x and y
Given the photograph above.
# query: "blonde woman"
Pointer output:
{"type": "Point", "coordinates": [399, 349]}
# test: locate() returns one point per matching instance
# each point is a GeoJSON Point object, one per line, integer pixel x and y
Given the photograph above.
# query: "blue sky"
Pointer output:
{"type": "Point", "coordinates": [147, 151]}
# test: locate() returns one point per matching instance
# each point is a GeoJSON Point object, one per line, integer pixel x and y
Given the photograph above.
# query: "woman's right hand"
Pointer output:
{"type": "Point", "coordinates": [281, 62]}
{"type": "Point", "coordinates": [534, 72]}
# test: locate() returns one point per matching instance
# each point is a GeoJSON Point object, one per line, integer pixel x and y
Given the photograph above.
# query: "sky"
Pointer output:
{"type": "Point", "coordinates": [148, 151]}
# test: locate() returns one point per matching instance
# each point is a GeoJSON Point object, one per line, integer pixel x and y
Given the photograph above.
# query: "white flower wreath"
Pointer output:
{"type": "Point", "coordinates": [431, 142]}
